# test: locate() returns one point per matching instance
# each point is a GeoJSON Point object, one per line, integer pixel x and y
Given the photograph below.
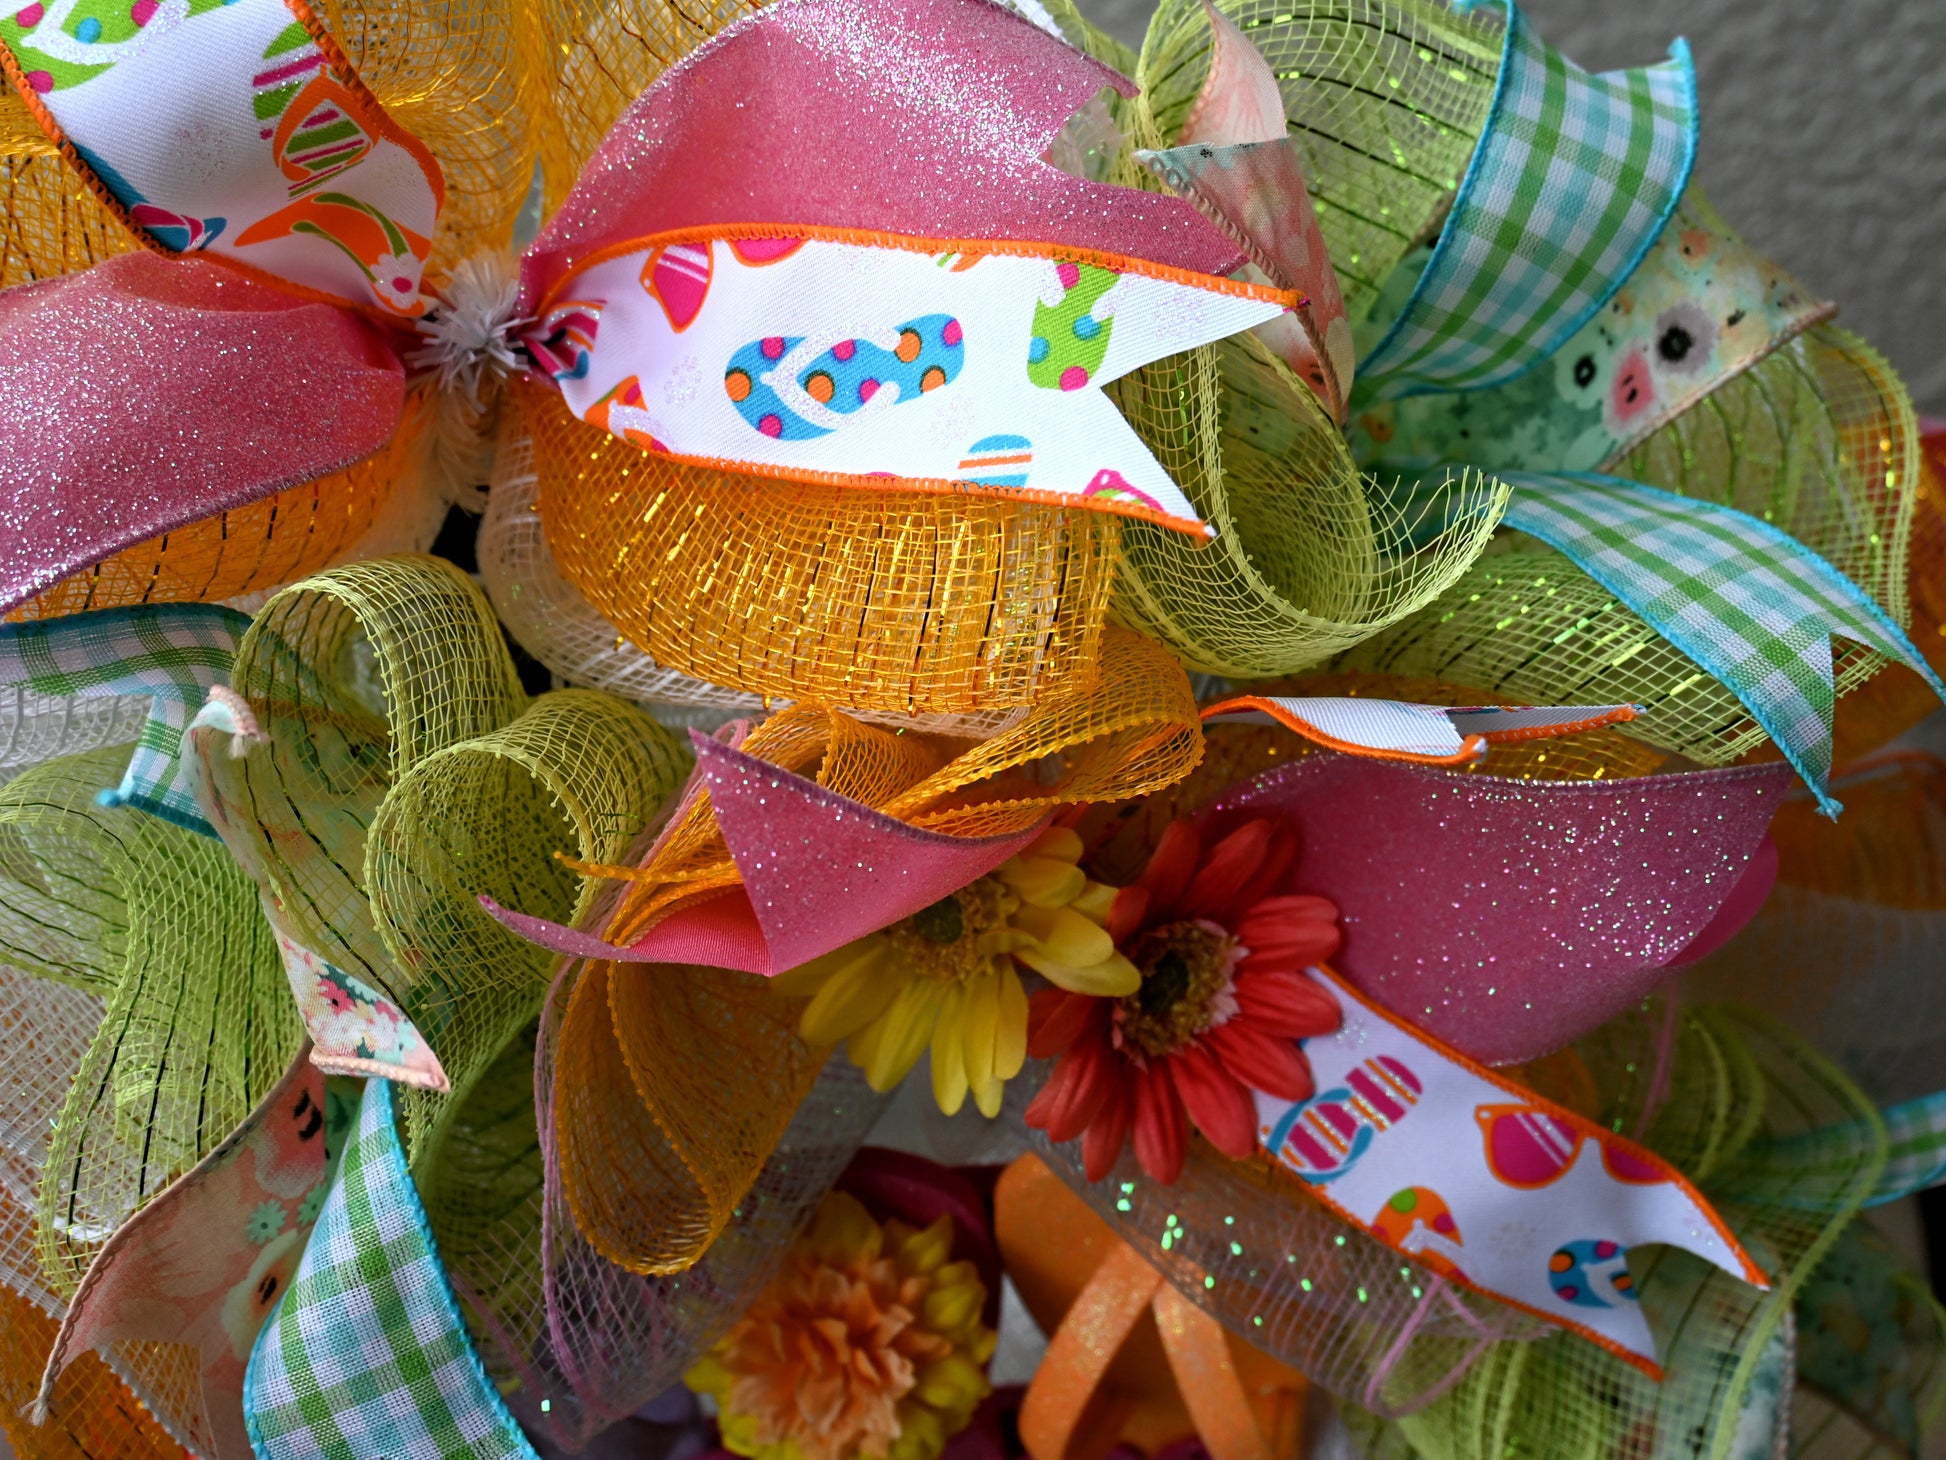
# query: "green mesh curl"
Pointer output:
{"type": "Point", "coordinates": [578, 773]}
{"type": "Point", "coordinates": [198, 1025]}
{"type": "Point", "coordinates": [1385, 99]}
{"type": "Point", "coordinates": [1818, 438]}
{"type": "Point", "coordinates": [1307, 560]}
{"type": "Point", "coordinates": [407, 772]}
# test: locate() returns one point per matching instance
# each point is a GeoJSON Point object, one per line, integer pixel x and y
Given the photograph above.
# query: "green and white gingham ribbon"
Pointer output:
{"type": "Point", "coordinates": [367, 1355]}
{"type": "Point", "coordinates": [1570, 184]}
{"type": "Point", "coordinates": [1750, 604]}
{"type": "Point", "coordinates": [1914, 1133]}
{"type": "Point", "coordinates": [170, 652]}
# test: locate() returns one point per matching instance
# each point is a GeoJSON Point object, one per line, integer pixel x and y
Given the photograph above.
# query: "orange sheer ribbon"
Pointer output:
{"type": "Point", "coordinates": [1130, 1359]}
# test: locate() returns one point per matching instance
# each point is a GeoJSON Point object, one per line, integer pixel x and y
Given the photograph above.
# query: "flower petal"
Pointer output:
{"type": "Point", "coordinates": [1061, 843]}
{"type": "Point", "coordinates": [1266, 875]}
{"type": "Point", "coordinates": [1043, 881]}
{"type": "Point", "coordinates": [807, 978]}
{"type": "Point", "coordinates": [1295, 921]}
{"type": "Point", "coordinates": [1287, 1004]}
{"type": "Point", "coordinates": [1097, 901]}
{"type": "Point", "coordinates": [1064, 935]}
{"type": "Point", "coordinates": [1171, 865]}
{"type": "Point", "coordinates": [1161, 1129]}
{"type": "Point", "coordinates": [1055, 1018]}
{"type": "Point", "coordinates": [979, 1028]}
{"type": "Point", "coordinates": [854, 996]}
{"type": "Point", "coordinates": [1010, 1034]}
{"type": "Point", "coordinates": [1261, 1061]}
{"type": "Point", "coordinates": [1083, 1082]}
{"type": "Point", "coordinates": [1224, 871]}
{"type": "Point", "coordinates": [1107, 1133]}
{"type": "Point", "coordinates": [897, 1038]}
{"type": "Point", "coordinates": [949, 1083]}
{"type": "Point", "coordinates": [1112, 978]}
{"type": "Point", "coordinates": [1221, 1108]}
{"type": "Point", "coordinates": [989, 1097]}
{"type": "Point", "coordinates": [1126, 912]}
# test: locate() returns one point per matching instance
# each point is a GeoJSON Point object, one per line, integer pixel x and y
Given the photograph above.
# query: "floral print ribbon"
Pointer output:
{"type": "Point", "coordinates": [206, 1262]}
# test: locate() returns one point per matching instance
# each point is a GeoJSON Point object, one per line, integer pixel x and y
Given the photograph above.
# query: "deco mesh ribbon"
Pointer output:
{"type": "Point", "coordinates": [931, 392]}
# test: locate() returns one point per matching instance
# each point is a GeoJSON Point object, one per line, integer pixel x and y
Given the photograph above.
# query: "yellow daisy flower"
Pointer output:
{"type": "Point", "coordinates": [868, 1343]}
{"type": "Point", "coordinates": [945, 976]}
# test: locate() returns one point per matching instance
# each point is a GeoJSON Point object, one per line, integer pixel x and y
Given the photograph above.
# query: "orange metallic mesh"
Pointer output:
{"type": "Point", "coordinates": [900, 601]}
{"type": "Point", "coordinates": [51, 223]}
{"type": "Point", "coordinates": [451, 73]}
{"type": "Point", "coordinates": [93, 1415]}
{"type": "Point", "coordinates": [268, 543]}
{"type": "Point", "coordinates": [1134, 734]}
{"type": "Point", "coordinates": [590, 59]}
{"type": "Point", "coordinates": [673, 1085]}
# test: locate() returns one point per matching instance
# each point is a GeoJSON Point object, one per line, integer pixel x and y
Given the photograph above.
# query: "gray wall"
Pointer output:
{"type": "Point", "coordinates": [1824, 141]}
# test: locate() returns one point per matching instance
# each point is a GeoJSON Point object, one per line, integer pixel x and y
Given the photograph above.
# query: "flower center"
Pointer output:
{"type": "Point", "coordinates": [1185, 986]}
{"type": "Point", "coordinates": [952, 938]}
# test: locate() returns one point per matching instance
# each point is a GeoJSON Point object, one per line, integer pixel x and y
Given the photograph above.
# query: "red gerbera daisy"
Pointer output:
{"type": "Point", "coordinates": [1223, 997]}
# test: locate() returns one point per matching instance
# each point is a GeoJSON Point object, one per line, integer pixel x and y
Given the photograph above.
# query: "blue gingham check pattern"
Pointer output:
{"type": "Point", "coordinates": [1572, 180]}
{"type": "Point", "coordinates": [170, 652]}
{"type": "Point", "coordinates": [367, 1356]}
{"type": "Point", "coordinates": [1749, 603]}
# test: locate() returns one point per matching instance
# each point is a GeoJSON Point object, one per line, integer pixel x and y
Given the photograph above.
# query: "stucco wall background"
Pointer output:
{"type": "Point", "coordinates": [1823, 141]}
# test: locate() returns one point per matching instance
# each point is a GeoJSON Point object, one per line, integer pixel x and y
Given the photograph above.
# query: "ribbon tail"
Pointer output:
{"type": "Point", "coordinates": [1753, 606]}
{"type": "Point", "coordinates": [171, 654]}
{"type": "Point", "coordinates": [1440, 1158]}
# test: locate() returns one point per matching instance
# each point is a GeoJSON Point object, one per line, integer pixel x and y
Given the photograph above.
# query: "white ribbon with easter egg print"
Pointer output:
{"type": "Point", "coordinates": [852, 358]}
{"type": "Point", "coordinates": [1485, 1182]}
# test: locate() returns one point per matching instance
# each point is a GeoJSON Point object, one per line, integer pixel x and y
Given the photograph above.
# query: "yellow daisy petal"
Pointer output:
{"type": "Point", "coordinates": [903, 1031]}
{"type": "Point", "coordinates": [980, 1029]}
{"type": "Point", "coordinates": [1065, 936]}
{"type": "Point", "coordinates": [1061, 843]}
{"type": "Point", "coordinates": [1043, 881]}
{"type": "Point", "coordinates": [948, 1055]}
{"type": "Point", "coordinates": [852, 998]}
{"type": "Point", "coordinates": [952, 1382]}
{"type": "Point", "coordinates": [807, 978]}
{"type": "Point", "coordinates": [989, 1097]}
{"type": "Point", "coordinates": [1112, 978]}
{"type": "Point", "coordinates": [1095, 901]}
{"type": "Point", "coordinates": [1010, 1035]}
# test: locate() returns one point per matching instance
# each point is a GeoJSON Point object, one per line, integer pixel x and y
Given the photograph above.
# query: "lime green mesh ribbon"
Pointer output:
{"type": "Point", "coordinates": [162, 926]}
{"type": "Point", "coordinates": [1307, 559]}
{"type": "Point", "coordinates": [396, 772]}
{"type": "Point", "coordinates": [1386, 100]}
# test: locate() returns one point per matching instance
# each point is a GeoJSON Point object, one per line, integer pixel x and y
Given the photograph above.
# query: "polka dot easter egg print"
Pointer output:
{"type": "Point", "coordinates": [1591, 1273]}
{"type": "Point", "coordinates": [791, 388]}
{"type": "Point", "coordinates": [1073, 319]}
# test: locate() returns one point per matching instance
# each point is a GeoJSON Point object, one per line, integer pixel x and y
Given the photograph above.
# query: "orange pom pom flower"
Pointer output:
{"type": "Point", "coordinates": [869, 1342]}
